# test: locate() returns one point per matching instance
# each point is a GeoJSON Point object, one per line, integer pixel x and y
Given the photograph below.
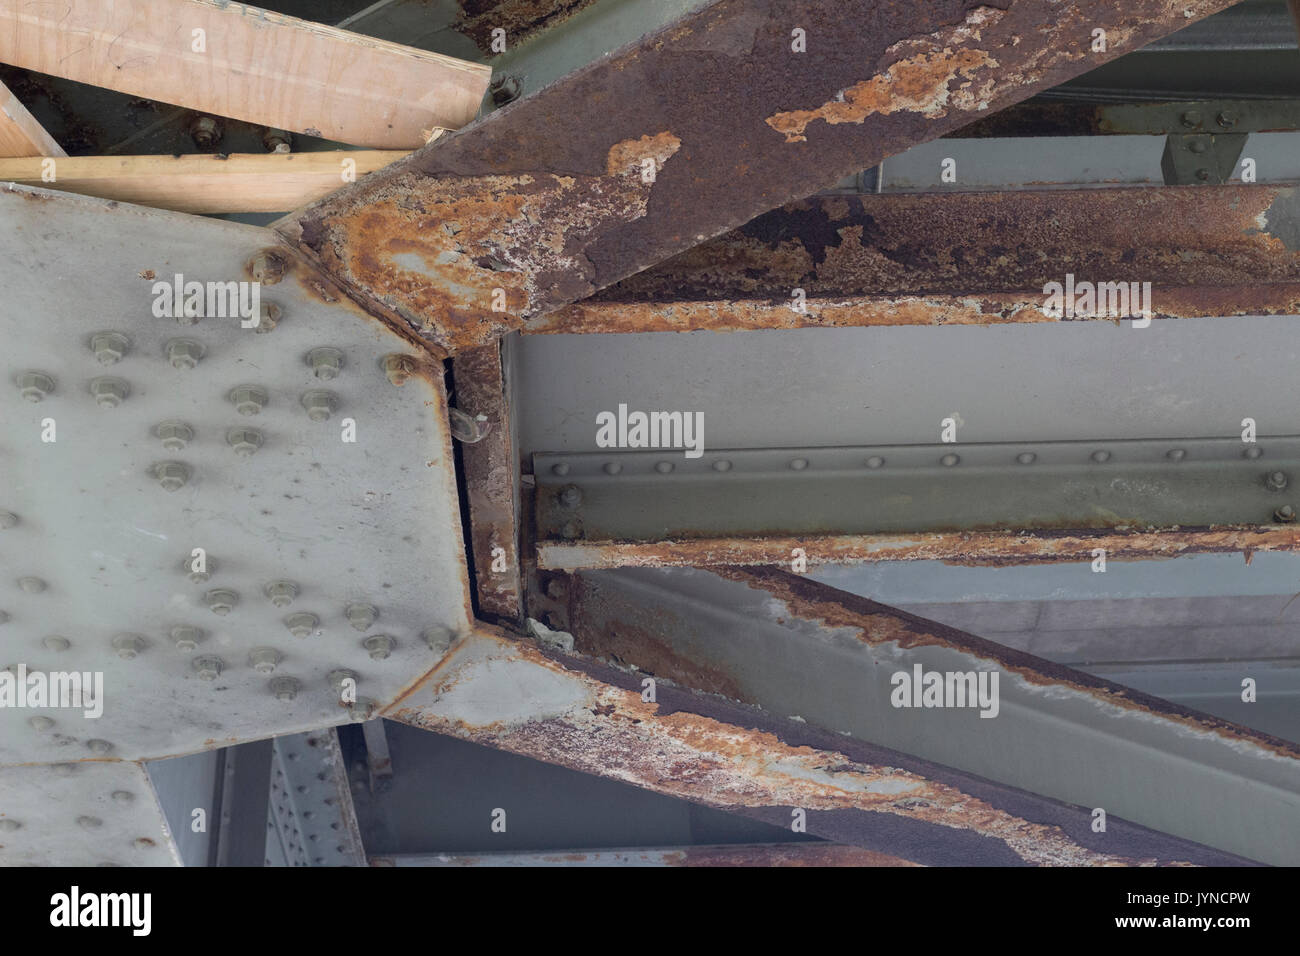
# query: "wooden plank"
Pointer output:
{"type": "Point", "coordinates": [269, 182]}
{"type": "Point", "coordinates": [20, 134]}
{"type": "Point", "coordinates": [249, 64]}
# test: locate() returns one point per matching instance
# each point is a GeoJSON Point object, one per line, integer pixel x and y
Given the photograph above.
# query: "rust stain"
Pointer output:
{"type": "Point", "coordinates": [615, 734]}
{"type": "Point", "coordinates": [627, 156]}
{"type": "Point", "coordinates": [877, 625]}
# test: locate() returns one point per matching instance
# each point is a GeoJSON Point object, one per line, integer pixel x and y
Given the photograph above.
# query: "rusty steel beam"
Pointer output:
{"type": "Point", "coordinates": [694, 130]}
{"type": "Point", "coordinates": [966, 258]}
{"type": "Point", "coordinates": [490, 481]}
{"type": "Point", "coordinates": [586, 716]}
{"type": "Point", "coordinates": [740, 854]}
{"type": "Point", "coordinates": [795, 646]}
{"type": "Point", "coordinates": [967, 548]}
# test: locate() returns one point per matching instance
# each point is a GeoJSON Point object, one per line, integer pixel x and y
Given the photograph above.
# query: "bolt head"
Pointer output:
{"type": "Point", "coordinates": [379, 646]}
{"type": "Point", "coordinates": [248, 399]}
{"type": "Point", "coordinates": [949, 460]}
{"type": "Point", "coordinates": [244, 441]}
{"type": "Point", "coordinates": [207, 668]}
{"type": "Point", "coordinates": [1284, 514]}
{"type": "Point", "coordinates": [337, 677]}
{"type": "Point", "coordinates": [56, 643]}
{"type": "Point", "coordinates": [325, 362]}
{"type": "Point", "coordinates": [361, 616]}
{"type": "Point", "coordinates": [266, 267]}
{"type": "Point", "coordinates": [172, 475]}
{"type": "Point", "coordinates": [128, 645]}
{"type": "Point", "coordinates": [186, 638]}
{"type": "Point", "coordinates": [281, 593]}
{"type": "Point", "coordinates": [31, 585]}
{"type": "Point", "coordinates": [100, 747]}
{"type": "Point", "coordinates": [198, 577]}
{"type": "Point", "coordinates": [398, 368]}
{"type": "Point", "coordinates": [175, 435]}
{"type": "Point", "coordinates": [183, 353]}
{"type": "Point", "coordinates": [109, 392]}
{"type": "Point", "coordinates": [571, 496]}
{"type": "Point", "coordinates": [109, 347]}
{"type": "Point", "coordinates": [285, 688]}
{"type": "Point", "coordinates": [1227, 119]}
{"type": "Point", "coordinates": [41, 723]}
{"type": "Point", "coordinates": [221, 601]}
{"type": "Point", "coordinates": [302, 624]}
{"type": "Point", "coordinates": [268, 317]}
{"type": "Point", "coordinates": [34, 386]}
{"type": "Point", "coordinates": [320, 404]}
{"type": "Point", "coordinates": [264, 659]}
{"type": "Point", "coordinates": [439, 638]}
{"type": "Point", "coordinates": [1191, 119]}
{"type": "Point", "coordinates": [1276, 480]}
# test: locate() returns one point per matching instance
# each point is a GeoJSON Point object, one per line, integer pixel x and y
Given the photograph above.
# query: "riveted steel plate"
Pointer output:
{"type": "Point", "coordinates": [98, 547]}
{"type": "Point", "coordinates": [82, 814]}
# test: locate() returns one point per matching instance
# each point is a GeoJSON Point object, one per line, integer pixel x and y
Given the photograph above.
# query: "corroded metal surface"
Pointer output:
{"type": "Point", "coordinates": [520, 19]}
{"type": "Point", "coordinates": [989, 549]}
{"type": "Point", "coordinates": [489, 469]}
{"type": "Point", "coordinates": [588, 717]}
{"type": "Point", "coordinates": [741, 854]}
{"type": "Point", "coordinates": [973, 258]}
{"type": "Point", "coordinates": [695, 130]}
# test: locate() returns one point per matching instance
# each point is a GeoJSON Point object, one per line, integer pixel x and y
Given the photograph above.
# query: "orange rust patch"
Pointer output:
{"type": "Point", "coordinates": [628, 155]}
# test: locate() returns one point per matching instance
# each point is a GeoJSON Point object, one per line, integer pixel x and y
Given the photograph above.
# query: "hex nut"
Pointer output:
{"type": "Point", "coordinates": [172, 475]}
{"type": "Point", "coordinates": [281, 593]}
{"type": "Point", "coordinates": [285, 688]}
{"type": "Point", "coordinates": [325, 362]}
{"type": "Point", "coordinates": [175, 434]}
{"type": "Point", "coordinates": [186, 638]}
{"type": "Point", "coordinates": [109, 392]}
{"type": "Point", "coordinates": [302, 624]}
{"type": "Point", "coordinates": [221, 600]}
{"type": "Point", "coordinates": [248, 399]}
{"type": "Point", "coordinates": [206, 131]}
{"type": "Point", "coordinates": [379, 646]}
{"type": "Point", "coordinates": [266, 267]}
{"type": "Point", "coordinates": [361, 616]}
{"type": "Point", "coordinates": [398, 368]}
{"type": "Point", "coordinates": [184, 353]}
{"type": "Point", "coordinates": [245, 441]}
{"type": "Point", "coordinates": [320, 404]}
{"type": "Point", "coordinates": [264, 659]}
{"type": "Point", "coordinates": [337, 677]}
{"type": "Point", "coordinates": [109, 347]}
{"type": "Point", "coordinates": [34, 386]}
{"type": "Point", "coordinates": [362, 709]}
{"type": "Point", "coordinates": [128, 645]}
{"type": "Point", "coordinates": [207, 668]}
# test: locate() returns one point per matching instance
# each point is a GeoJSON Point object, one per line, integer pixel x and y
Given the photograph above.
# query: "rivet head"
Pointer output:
{"type": "Point", "coordinates": [7, 519]}
{"type": "Point", "coordinates": [398, 368]}
{"type": "Point", "coordinates": [123, 796]}
{"type": "Point", "coordinates": [439, 637]}
{"type": "Point", "coordinates": [1176, 454]}
{"type": "Point", "coordinates": [188, 565]}
{"type": "Point", "coordinates": [325, 362]}
{"type": "Point", "coordinates": [320, 404]}
{"type": "Point", "coordinates": [560, 469]}
{"type": "Point", "coordinates": [174, 434]}
{"type": "Point", "coordinates": [183, 353]}
{"type": "Point", "coordinates": [379, 646]}
{"type": "Point", "coordinates": [1026, 458]}
{"type": "Point", "coordinates": [663, 467]}
{"type": "Point", "coordinates": [9, 826]}
{"type": "Point", "coordinates": [611, 468]}
{"type": "Point", "coordinates": [1100, 456]}
{"type": "Point", "coordinates": [285, 688]}
{"type": "Point", "coordinates": [1276, 480]}
{"type": "Point", "coordinates": [281, 593]}
{"type": "Point", "coordinates": [264, 659]}
{"type": "Point", "coordinates": [109, 392]}
{"type": "Point", "coordinates": [248, 399]}
{"type": "Point", "coordinates": [722, 464]}
{"type": "Point", "coordinates": [570, 496]}
{"type": "Point", "coordinates": [34, 386]}
{"type": "Point", "coordinates": [171, 475]}
{"type": "Point", "coordinates": [109, 347]}
{"type": "Point", "coordinates": [128, 645]}
{"type": "Point", "coordinates": [875, 461]}
{"type": "Point", "coordinates": [1253, 452]}
{"type": "Point", "coordinates": [244, 441]}
{"type": "Point", "coordinates": [798, 464]}
{"type": "Point", "coordinates": [1284, 514]}
{"type": "Point", "coordinates": [338, 676]}
{"type": "Point", "coordinates": [41, 723]}
{"type": "Point", "coordinates": [100, 747]}
{"type": "Point", "coordinates": [302, 624]}
{"type": "Point", "coordinates": [361, 616]}
{"type": "Point", "coordinates": [90, 823]}
{"type": "Point", "coordinates": [31, 585]}
{"type": "Point", "coordinates": [56, 642]}
{"type": "Point", "coordinates": [949, 460]}
{"type": "Point", "coordinates": [186, 638]}
{"type": "Point", "coordinates": [221, 600]}
{"type": "Point", "coordinates": [207, 668]}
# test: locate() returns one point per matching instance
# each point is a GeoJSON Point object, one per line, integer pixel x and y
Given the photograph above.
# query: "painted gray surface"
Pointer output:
{"type": "Point", "coordinates": [185, 784]}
